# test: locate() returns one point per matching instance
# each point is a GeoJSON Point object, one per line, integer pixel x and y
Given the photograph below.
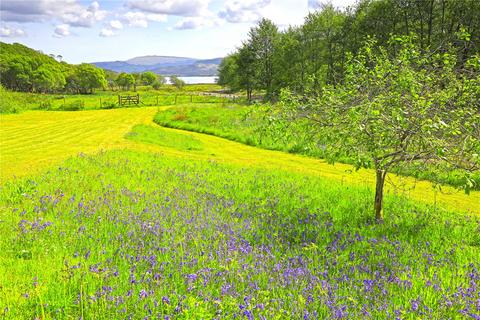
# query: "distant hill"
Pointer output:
{"type": "Point", "coordinates": [165, 65]}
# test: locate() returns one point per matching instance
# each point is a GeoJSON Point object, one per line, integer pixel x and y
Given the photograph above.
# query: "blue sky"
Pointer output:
{"type": "Point", "coordinates": [106, 30]}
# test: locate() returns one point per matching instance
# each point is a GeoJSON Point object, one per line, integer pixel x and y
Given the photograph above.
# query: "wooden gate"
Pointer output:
{"type": "Point", "coordinates": [128, 100]}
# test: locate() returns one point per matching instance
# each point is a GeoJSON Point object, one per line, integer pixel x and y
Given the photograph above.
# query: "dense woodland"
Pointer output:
{"type": "Point", "coordinates": [27, 70]}
{"type": "Point", "coordinates": [305, 58]}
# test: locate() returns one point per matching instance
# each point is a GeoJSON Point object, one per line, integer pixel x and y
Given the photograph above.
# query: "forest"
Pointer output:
{"type": "Point", "coordinates": [307, 57]}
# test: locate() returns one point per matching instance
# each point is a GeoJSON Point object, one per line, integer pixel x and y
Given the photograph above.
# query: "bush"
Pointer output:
{"type": "Point", "coordinates": [109, 105]}
{"type": "Point", "coordinates": [76, 105]}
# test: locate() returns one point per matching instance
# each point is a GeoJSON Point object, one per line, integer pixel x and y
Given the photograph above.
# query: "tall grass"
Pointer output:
{"type": "Point", "coordinates": [251, 125]}
{"type": "Point", "coordinates": [137, 235]}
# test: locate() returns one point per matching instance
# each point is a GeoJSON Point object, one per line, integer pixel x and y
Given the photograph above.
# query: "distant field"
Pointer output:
{"type": "Point", "coordinates": [14, 102]}
{"type": "Point", "coordinates": [34, 140]}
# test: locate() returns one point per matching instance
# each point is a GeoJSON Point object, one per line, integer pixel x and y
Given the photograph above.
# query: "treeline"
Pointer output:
{"type": "Point", "coordinates": [307, 57]}
{"type": "Point", "coordinates": [27, 70]}
{"type": "Point", "coordinates": [129, 81]}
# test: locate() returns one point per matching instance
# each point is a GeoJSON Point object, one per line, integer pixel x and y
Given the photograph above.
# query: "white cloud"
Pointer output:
{"type": "Point", "coordinates": [237, 11]}
{"type": "Point", "coordinates": [157, 17]}
{"type": "Point", "coordinates": [85, 17]}
{"type": "Point", "coordinates": [196, 23]}
{"type": "Point", "coordinates": [107, 32]}
{"type": "Point", "coordinates": [140, 19]}
{"type": "Point", "coordinates": [11, 32]}
{"type": "Point", "coordinates": [136, 19]}
{"type": "Point", "coordinates": [62, 31]}
{"type": "Point", "coordinates": [66, 11]}
{"type": "Point", "coordinates": [116, 24]}
{"type": "Point", "coordinates": [186, 8]}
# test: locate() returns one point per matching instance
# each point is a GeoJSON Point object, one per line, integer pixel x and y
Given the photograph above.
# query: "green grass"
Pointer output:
{"type": "Point", "coordinates": [14, 102]}
{"type": "Point", "coordinates": [35, 140]}
{"type": "Point", "coordinates": [249, 125]}
{"type": "Point", "coordinates": [230, 122]}
{"type": "Point", "coordinates": [159, 136]}
{"type": "Point", "coordinates": [137, 234]}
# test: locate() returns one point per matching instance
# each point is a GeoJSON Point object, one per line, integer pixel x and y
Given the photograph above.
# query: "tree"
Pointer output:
{"type": "Point", "coordinates": [89, 78]}
{"type": "Point", "coordinates": [111, 77]}
{"type": "Point", "coordinates": [177, 82]}
{"type": "Point", "coordinates": [160, 81]}
{"type": "Point", "coordinates": [125, 80]}
{"type": "Point", "coordinates": [322, 42]}
{"type": "Point", "coordinates": [16, 73]}
{"type": "Point", "coordinates": [47, 79]}
{"type": "Point", "coordinates": [228, 73]}
{"type": "Point", "coordinates": [262, 41]}
{"type": "Point", "coordinates": [247, 78]}
{"type": "Point", "coordinates": [394, 110]}
{"type": "Point", "coordinates": [137, 80]}
{"type": "Point", "coordinates": [148, 78]}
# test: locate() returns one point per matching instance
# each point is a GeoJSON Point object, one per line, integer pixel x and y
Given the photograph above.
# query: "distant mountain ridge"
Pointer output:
{"type": "Point", "coordinates": [165, 65]}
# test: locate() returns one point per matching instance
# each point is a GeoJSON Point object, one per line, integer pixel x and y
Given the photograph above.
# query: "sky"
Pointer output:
{"type": "Point", "coordinates": [109, 30]}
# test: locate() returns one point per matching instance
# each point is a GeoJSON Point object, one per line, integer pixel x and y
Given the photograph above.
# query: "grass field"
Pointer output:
{"type": "Point", "coordinates": [167, 223]}
{"type": "Point", "coordinates": [33, 140]}
{"type": "Point", "coordinates": [248, 124]}
{"type": "Point", "coordinates": [15, 102]}
{"type": "Point", "coordinates": [133, 234]}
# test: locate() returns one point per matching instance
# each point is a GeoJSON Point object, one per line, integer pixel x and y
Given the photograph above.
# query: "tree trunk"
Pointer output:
{"type": "Point", "coordinates": [380, 183]}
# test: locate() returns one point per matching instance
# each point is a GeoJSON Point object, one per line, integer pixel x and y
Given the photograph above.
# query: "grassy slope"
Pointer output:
{"type": "Point", "coordinates": [137, 234]}
{"type": "Point", "coordinates": [245, 124]}
{"type": "Point", "coordinates": [34, 140]}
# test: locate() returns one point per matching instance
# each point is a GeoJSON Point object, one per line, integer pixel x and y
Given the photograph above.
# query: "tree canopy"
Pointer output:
{"type": "Point", "coordinates": [25, 69]}
{"type": "Point", "coordinates": [307, 57]}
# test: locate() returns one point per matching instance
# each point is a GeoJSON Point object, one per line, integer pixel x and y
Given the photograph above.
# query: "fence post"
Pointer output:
{"type": "Point", "coordinates": [191, 98]}
{"type": "Point", "coordinates": [100, 103]}
{"type": "Point", "coordinates": [157, 100]}
{"type": "Point", "coordinates": [175, 99]}
{"type": "Point", "coordinates": [64, 103]}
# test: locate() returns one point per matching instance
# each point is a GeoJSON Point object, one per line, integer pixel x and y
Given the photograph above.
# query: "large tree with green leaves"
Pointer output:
{"type": "Point", "coordinates": [125, 80]}
{"type": "Point", "coordinates": [89, 78]}
{"type": "Point", "coordinates": [394, 110]}
{"type": "Point", "coordinates": [262, 41]}
{"type": "Point", "coordinates": [228, 75]}
{"type": "Point", "coordinates": [148, 78]}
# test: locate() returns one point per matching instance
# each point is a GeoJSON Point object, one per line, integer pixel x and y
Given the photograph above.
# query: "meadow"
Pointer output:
{"type": "Point", "coordinates": [132, 234]}
{"type": "Point", "coordinates": [251, 125]}
{"type": "Point", "coordinates": [16, 102]}
{"type": "Point", "coordinates": [112, 216]}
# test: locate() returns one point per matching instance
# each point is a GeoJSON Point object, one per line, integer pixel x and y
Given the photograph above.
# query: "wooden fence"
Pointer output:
{"type": "Point", "coordinates": [124, 100]}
